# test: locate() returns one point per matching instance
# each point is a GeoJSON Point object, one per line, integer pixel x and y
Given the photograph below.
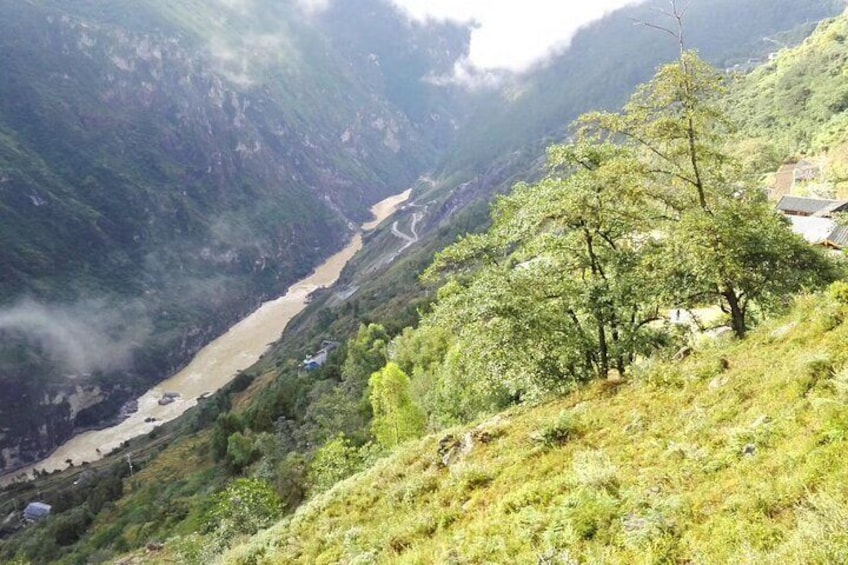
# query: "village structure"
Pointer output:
{"type": "Point", "coordinates": [317, 359]}
{"type": "Point", "coordinates": [36, 512]}
{"type": "Point", "coordinates": [803, 195]}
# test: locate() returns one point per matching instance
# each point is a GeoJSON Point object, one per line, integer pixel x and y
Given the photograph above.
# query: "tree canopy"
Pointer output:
{"type": "Point", "coordinates": [643, 211]}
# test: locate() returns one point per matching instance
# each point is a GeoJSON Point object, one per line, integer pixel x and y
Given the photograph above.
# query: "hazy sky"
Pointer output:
{"type": "Point", "coordinates": [514, 34]}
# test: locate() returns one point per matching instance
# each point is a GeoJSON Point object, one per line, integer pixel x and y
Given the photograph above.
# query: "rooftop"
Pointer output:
{"type": "Point", "coordinates": [803, 206]}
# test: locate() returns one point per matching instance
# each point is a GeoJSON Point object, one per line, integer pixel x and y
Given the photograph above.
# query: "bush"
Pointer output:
{"type": "Point", "coordinates": [566, 428]}
{"type": "Point", "coordinates": [594, 469]}
{"type": "Point", "coordinates": [245, 507]}
{"type": "Point", "coordinates": [337, 460]}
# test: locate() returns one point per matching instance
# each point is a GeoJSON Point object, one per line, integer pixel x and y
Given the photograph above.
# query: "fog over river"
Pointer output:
{"type": "Point", "coordinates": [216, 364]}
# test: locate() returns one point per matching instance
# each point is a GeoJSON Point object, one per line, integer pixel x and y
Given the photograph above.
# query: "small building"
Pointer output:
{"type": "Point", "coordinates": [802, 206]}
{"type": "Point", "coordinates": [820, 231]}
{"type": "Point", "coordinates": [37, 511]}
{"type": "Point", "coordinates": [838, 238]}
{"type": "Point", "coordinates": [317, 360]}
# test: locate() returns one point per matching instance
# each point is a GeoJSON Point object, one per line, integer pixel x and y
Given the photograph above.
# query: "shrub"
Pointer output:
{"type": "Point", "coordinates": [246, 506]}
{"type": "Point", "coordinates": [594, 469]}
{"type": "Point", "coordinates": [566, 428]}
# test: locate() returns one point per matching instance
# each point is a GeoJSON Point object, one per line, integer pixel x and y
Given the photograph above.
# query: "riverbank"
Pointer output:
{"type": "Point", "coordinates": [215, 365]}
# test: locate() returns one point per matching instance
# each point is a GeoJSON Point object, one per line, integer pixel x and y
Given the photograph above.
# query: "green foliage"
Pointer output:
{"type": "Point", "coordinates": [70, 526]}
{"type": "Point", "coordinates": [720, 239]}
{"type": "Point", "coordinates": [645, 210]}
{"type": "Point", "coordinates": [705, 472]}
{"type": "Point", "coordinates": [838, 291]}
{"type": "Point", "coordinates": [565, 429]}
{"type": "Point", "coordinates": [743, 254]}
{"type": "Point", "coordinates": [798, 100]}
{"type": "Point", "coordinates": [244, 507]}
{"type": "Point", "coordinates": [240, 451]}
{"type": "Point", "coordinates": [336, 460]}
{"type": "Point", "coordinates": [366, 353]}
{"type": "Point", "coordinates": [396, 417]}
{"type": "Point", "coordinates": [225, 426]}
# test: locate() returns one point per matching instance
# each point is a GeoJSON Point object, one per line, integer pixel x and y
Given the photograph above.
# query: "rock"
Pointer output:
{"type": "Point", "coordinates": [783, 331]}
{"type": "Point", "coordinates": [684, 352]}
{"type": "Point", "coordinates": [556, 557]}
{"type": "Point", "coordinates": [449, 448]}
{"type": "Point", "coordinates": [467, 444]}
{"type": "Point", "coordinates": [749, 450]}
{"type": "Point", "coordinates": [723, 332]}
{"type": "Point", "coordinates": [614, 376]}
{"type": "Point", "coordinates": [719, 382]}
{"type": "Point", "coordinates": [761, 421]}
{"type": "Point", "coordinates": [452, 449]}
{"type": "Point", "coordinates": [634, 523]}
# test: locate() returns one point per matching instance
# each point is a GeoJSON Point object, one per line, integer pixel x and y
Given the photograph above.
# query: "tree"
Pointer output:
{"type": "Point", "coordinates": [366, 353]}
{"type": "Point", "coordinates": [240, 451]}
{"type": "Point", "coordinates": [226, 425]}
{"type": "Point", "coordinates": [244, 507]}
{"type": "Point", "coordinates": [743, 253]}
{"type": "Point", "coordinates": [721, 240]}
{"type": "Point", "coordinates": [396, 418]}
{"type": "Point", "coordinates": [559, 292]}
{"type": "Point", "coordinates": [336, 460]}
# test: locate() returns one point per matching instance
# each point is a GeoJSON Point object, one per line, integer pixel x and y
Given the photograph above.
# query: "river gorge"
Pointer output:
{"type": "Point", "coordinates": [215, 365]}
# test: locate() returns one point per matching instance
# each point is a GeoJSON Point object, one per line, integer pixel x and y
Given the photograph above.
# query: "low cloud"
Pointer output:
{"type": "Point", "coordinates": [511, 35]}
{"type": "Point", "coordinates": [85, 337]}
{"type": "Point", "coordinates": [313, 6]}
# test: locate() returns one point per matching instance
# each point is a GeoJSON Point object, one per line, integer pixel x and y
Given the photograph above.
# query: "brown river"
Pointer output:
{"type": "Point", "coordinates": [216, 364]}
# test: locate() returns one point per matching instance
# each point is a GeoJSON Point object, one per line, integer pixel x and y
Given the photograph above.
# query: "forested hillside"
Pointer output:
{"type": "Point", "coordinates": [164, 167]}
{"type": "Point", "coordinates": [563, 288]}
{"type": "Point", "coordinates": [727, 456]}
{"type": "Point", "coordinates": [672, 443]}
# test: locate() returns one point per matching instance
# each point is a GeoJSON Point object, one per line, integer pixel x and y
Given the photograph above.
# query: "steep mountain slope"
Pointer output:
{"type": "Point", "coordinates": [279, 412]}
{"type": "Point", "coordinates": [163, 167]}
{"type": "Point", "coordinates": [800, 98]}
{"type": "Point", "coordinates": [721, 458]}
{"type": "Point", "coordinates": [600, 68]}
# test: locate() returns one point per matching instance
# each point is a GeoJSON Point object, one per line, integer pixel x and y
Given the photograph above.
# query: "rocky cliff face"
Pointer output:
{"type": "Point", "coordinates": [163, 168]}
{"type": "Point", "coordinates": [57, 423]}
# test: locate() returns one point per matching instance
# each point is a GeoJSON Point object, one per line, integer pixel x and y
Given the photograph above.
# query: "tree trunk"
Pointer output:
{"type": "Point", "coordinates": [737, 313]}
{"type": "Point", "coordinates": [603, 366]}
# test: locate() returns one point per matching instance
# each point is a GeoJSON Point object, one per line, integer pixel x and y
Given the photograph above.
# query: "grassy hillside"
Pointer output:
{"type": "Point", "coordinates": [732, 455]}
{"type": "Point", "coordinates": [799, 99]}
{"type": "Point", "coordinates": [277, 428]}
{"type": "Point", "coordinates": [173, 166]}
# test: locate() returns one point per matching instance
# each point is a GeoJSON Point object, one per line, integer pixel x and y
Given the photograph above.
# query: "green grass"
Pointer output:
{"type": "Point", "coordinates": [740, 463]}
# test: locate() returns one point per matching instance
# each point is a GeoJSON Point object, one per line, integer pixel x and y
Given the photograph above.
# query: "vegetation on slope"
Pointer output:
{"type": "Point", "coordinates": [167, 167]}
{"type": "Point", "coordinates": [799, 99]}
{"type": "Point", "coordinates": [599, 69]}
{"type": "Point", "coordinates": [270, 434]}
{"type": "Point", "coordinates": [732, 455]}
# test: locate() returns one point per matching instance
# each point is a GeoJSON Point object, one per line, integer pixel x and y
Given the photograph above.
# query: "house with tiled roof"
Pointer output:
{"type": "Point", "coordinates": [803, 206]}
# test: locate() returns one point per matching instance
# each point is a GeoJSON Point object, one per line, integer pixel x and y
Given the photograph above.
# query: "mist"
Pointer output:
{"type": "Point", "coordinates": [87, 336]}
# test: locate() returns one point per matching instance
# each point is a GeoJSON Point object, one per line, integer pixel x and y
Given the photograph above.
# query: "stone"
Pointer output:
{"type": "Point", "coordinates": [684, 352]}
{"type": "Point", "coordinates": [783, 331]}
{"type": "Point", "coordinates": [718, 382]}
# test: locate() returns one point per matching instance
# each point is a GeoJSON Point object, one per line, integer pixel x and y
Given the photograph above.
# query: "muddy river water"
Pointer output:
{"type": "Point", "coordinates": [216, 364]}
